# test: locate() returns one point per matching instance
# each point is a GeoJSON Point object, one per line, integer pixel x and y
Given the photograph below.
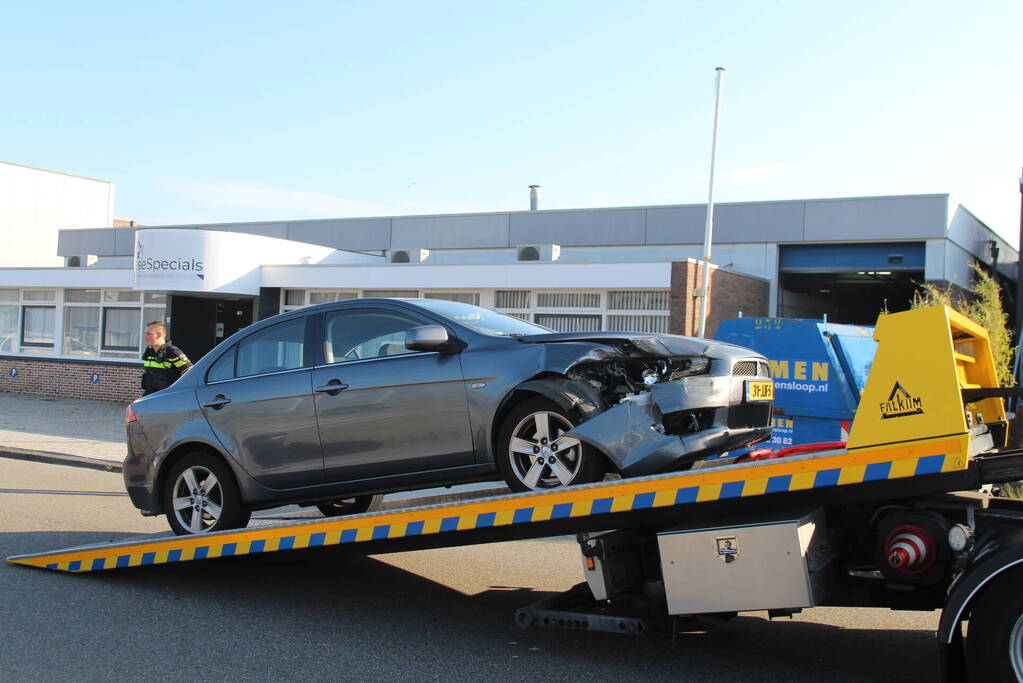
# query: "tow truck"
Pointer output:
{"type": "Point", "coordinates": [904, 515]}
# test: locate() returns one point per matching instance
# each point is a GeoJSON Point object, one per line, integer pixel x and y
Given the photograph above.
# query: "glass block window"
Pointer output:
{"type": "Point", "coordinates": [637, 300]}
{"type": "Point", "coordinates": [568, 322]}
{"type": "Point", "coordinates": [9, 295]}
{"type": "Point", "coordinates": [391, 293]}
{"type": "Point", "coordinates": [512, 298]}
{"type": "Point", "coordinates": [656, 324]}
{"type": "Point", "coordinates": [153, 298]}
{"type": "Point", "coordinates": [461, 297]}
{"type": "Point", "coordinates": [567, 300]}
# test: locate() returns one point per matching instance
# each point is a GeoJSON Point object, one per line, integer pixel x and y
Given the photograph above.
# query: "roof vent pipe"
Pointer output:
{"type": "Point", "coordinates": [534, 197]}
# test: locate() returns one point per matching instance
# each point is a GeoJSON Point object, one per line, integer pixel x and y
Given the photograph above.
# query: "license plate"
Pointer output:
{"type": "Point", "coordinates": [759, 391]}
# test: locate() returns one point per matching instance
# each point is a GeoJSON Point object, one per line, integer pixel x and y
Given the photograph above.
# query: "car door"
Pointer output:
{"type": "Point", "coordinates": [258, 399]}
{"type": "Point", "coordinates": [382, 409]}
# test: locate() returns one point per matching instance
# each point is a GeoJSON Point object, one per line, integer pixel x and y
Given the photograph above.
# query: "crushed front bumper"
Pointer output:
{"type": "Point", "coordinates": [675, 423]}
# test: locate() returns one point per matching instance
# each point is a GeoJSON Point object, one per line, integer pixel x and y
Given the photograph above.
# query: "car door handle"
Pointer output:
{"type": "Point", "coordinates": [332, 388]}
{"type": "Point", "coordinates": [218, 402]}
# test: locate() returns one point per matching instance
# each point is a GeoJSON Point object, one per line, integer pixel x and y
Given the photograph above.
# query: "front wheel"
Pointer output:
{"type": "Point", "coordinates": [994, 641]}
{"type": "Point", "coordinates": [201, 496]}
{"type": "Point", "coordinates": [533, 453]}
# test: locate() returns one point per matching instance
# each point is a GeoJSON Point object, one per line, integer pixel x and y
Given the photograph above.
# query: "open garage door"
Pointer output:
{"type": "Point", "coordinates": [849, 283]}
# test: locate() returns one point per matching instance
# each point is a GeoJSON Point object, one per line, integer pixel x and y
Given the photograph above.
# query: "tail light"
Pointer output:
{"type": "Point", "coordinates": [129, 415]}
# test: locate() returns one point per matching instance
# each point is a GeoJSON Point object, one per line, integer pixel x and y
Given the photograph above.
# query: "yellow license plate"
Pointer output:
{"type": "Point", "coordinates": [759, 391]}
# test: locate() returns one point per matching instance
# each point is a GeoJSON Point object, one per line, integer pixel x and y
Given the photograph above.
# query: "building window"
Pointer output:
{"type": "Point", "coordinates": [81, 330]}
{"type": "Point", "coordinates": [564, 322]}
{"type": "Point", "coordinates": [567, 300]}
{"type": "Point", "coordinates": [391, 293]}
{"type": "Point", "coordinates": [461, 297]}
{"type": "Point", "coordinates": [8, 328]}
{"type": "Point", "coordinates": [38, 326]}
{"type": "Point", "coordinates": [121, 328]}
{"type": "Point", "coordinates": [655, 300]}
{"type": "Point", "coordinates": [511, 298]}
{"type": "Point", "coordinates": [325, 297]}
{"type": "Point", "coordinates": [655, 324]}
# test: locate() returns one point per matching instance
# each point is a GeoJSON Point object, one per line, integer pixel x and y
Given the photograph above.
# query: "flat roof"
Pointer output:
{"type": "Point", "coordinates": [46, 170]}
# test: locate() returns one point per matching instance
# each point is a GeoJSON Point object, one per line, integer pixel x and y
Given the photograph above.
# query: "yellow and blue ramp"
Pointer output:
{"type": "Point", "coordinates": [591, 507]}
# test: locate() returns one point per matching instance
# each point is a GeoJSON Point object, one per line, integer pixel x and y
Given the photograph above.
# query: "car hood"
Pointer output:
{"type": "Point", "coordinates": [654, 345]}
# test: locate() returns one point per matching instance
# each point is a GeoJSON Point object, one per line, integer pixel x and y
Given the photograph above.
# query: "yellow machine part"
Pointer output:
{"type": "Point", "coordinates": [925, 358]}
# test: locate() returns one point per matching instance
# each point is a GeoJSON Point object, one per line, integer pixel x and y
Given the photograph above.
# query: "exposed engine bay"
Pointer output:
{"type": "Point", "coordinates": [654, 404]}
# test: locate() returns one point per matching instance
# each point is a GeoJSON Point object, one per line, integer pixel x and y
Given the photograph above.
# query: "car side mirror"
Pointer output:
{"type": "Point", "coordinates": [430, 338]}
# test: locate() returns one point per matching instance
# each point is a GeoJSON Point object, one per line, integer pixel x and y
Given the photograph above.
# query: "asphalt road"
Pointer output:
{"type": "Point", "coordinates": [329, 615]}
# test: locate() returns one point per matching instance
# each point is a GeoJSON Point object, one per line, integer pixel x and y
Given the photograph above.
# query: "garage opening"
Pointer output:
{"type": "Point", "coordinates": [848, 283]}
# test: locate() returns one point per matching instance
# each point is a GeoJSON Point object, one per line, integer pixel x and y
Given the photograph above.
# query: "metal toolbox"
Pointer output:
{"type": "Point", "coordinates": [768, 564]}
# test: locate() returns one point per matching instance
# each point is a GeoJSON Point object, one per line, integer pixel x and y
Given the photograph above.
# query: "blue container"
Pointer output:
{"type": "Point", "coordinates": [819, 371]}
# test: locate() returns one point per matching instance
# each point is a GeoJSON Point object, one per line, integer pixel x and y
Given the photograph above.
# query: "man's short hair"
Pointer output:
{"type": "Point", "coordinates": [158, 323]}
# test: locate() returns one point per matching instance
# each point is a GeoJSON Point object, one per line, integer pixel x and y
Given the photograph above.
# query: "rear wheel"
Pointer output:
{"type": "Point", "coordinates": [350, 506]}
{"type": "Point", "coordinates": [201, 496]}
{"type": "Point", "coordinates": [533, 453]}
{"type": "Point", "coordinates": [994, 642]}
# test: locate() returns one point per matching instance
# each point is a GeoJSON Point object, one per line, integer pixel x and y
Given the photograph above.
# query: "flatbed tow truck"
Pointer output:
{"type": "Point", "coordinates": [902, 516]}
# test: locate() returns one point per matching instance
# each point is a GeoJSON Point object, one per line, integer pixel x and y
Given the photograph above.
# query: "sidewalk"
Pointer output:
{"type": "Point", "coordinates": [62, 431]}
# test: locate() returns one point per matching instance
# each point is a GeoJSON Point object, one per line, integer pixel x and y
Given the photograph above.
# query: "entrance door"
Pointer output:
{"type": "Point", "coordinates": [232, 315]}
{"type": "Point", "coordinates": [198, 323]}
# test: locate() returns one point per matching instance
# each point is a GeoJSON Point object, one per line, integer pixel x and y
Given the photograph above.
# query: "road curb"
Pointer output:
{"type": "Point", "coordinates": [59, 459]}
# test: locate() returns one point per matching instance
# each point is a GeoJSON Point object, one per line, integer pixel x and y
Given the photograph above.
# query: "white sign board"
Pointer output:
{"type": "Point", "coordinates": [169, 259]}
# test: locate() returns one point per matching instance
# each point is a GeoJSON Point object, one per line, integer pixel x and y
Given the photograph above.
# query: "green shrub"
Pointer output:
{"type": "Point", "coordinates": [983, 305]}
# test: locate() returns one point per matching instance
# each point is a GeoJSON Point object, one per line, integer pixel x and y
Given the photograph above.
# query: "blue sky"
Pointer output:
{"type": "Point", "coordinates": [203, 111]}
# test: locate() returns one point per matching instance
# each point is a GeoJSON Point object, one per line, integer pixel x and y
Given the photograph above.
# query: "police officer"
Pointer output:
{"type": "Point", "coordinates": [163, 362]}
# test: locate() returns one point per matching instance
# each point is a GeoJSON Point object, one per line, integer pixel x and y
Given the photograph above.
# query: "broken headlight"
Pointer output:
{"type": "Point", "coordinates": [696, 366]}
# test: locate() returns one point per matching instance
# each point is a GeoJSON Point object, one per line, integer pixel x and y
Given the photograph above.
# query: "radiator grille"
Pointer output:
{"type": "Point", "coordinates": [750, 368]}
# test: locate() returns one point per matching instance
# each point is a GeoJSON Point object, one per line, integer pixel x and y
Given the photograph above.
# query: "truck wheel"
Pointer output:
{"type": "Point", "coordinates": [532, 454]}
{"type": "Point", "coordinates": [994, 642]}
{"type": "Point", "coordinates": [201, 496]}
{"type": "Point", "coordinates": [350, 506]}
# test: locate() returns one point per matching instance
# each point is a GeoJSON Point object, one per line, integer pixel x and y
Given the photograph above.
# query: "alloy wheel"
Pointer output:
{"type": "Point", "coordinates": [541, 456]}
{"type": "Point", "coordinates": [198, 499]}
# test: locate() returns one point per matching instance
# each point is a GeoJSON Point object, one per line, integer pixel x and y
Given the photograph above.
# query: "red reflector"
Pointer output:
{"type": "Point", "coordinates": [129, 414]}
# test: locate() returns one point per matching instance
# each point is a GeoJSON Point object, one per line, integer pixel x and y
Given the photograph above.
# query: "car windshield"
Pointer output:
{"type": "Point", "coordinates": [481, 320]}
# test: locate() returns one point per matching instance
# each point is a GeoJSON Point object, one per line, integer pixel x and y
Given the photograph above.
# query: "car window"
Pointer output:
{"type": "Point", "coordinates": [223, 368]}
{"type": "Point", "coordinates": [357, 335]}
{"type": "Point", "coordinates": [276, 348]}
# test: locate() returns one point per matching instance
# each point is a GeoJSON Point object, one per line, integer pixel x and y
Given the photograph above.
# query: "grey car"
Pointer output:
{"type": "Point", "coordinates": [333, 405]}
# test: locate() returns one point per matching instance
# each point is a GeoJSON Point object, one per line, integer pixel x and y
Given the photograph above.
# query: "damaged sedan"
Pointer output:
{"type": "Point", "coordinates": [336, 404]}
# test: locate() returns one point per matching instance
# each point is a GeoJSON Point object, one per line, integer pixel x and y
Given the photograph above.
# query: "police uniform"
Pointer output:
{"type": "Point", "coordinates": [161, 368]}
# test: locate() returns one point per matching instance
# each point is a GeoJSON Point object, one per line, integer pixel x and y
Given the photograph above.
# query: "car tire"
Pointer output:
{"type": "Point", "coordinates": [994, 641]}
{"type": "Point", "coordinates": [531, 460]}
{"type": "Point", "coordinates": [200, 495]}
{"type": "Point", "coordinates": [350, 506]}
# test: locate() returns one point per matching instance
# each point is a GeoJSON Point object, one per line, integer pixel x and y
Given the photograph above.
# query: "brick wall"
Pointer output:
{"type": "Point", "coordinates": [71, 378]}
{"type": "Point", "coordinates": [730, 293]}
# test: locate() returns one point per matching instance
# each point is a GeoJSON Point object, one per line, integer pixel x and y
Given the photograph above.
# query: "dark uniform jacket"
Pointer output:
{"type": "Point", "coordinates": [162, 367]}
